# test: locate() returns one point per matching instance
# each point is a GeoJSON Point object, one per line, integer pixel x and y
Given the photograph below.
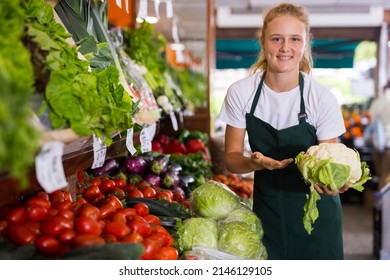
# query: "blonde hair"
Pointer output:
{"type": "Point", "coordinates": [301, 14]}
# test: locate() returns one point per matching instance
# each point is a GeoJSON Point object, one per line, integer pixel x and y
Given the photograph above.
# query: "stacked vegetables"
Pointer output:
{"type": "Point", "coordinates": [221, 222]}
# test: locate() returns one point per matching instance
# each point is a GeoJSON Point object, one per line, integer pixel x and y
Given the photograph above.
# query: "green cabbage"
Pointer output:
{"type": "Point", "coordinates": [239, 239]}
{"type": "Point", "coordinates": [197, 231]}
{"type": "Point", "coordinates": [213, 200]}
{"type": "Point", "coordinates": [246, 216]}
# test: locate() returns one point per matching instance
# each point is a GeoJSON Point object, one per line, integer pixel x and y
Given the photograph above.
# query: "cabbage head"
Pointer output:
{"type": "Point", "coordinates": [213, 200]}
{"type": "Point", "coordinates": [238, 238]}
{"type": "Point", "coordinates": [331, 164]}
{"type": "Point", "coordinates": [197, 231]}
{"type": "Point", "coordinates": [244, 214]}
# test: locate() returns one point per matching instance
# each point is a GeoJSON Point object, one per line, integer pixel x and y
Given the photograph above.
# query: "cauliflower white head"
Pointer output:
{"type": "Point", "coordinates": [338, 153]}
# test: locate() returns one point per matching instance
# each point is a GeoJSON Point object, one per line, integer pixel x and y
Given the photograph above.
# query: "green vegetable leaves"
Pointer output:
{"type": "Point", "coordinates": [333, 165]}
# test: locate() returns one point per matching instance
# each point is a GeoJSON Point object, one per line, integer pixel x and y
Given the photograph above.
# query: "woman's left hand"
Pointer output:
{"type": "Point", "coordinates": [324, 189]}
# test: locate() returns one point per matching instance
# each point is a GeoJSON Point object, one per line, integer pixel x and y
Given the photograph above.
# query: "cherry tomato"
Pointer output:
{"type": "Point", "coordinates": [66, 204]}
{"type": "Point", "coordinates": [139, 225]}
{"type": "Point", "coordinates": [37, 213]}
{"type": "Point", "coordinates": [95, 182]}
{"type": "Point", "coordinates": [67, 235]}
{"type": "Point", "coordinates": [141, 209]}
{"type": "Point", "coordinates": [91, 193]}
{"type": "Point", "coordinates": [20, 234]}
{"type": "Point", "coordinates": [17, 215]}
{"type": "Point", "coordinates": [135, 193]}
{"type": "Point", "coordinates": [127, 212]}
{"type": "Point", "coordinates": [85, 225]}
{"type": "Point", "coordinates": [57, 197]}
{"type": "Point", "coordinates": [3, 227]}
{"type": "Point", "coordinates": [90, 211]}
{"type": "Point", "coordinates": [149, 192]}
{"type": "Point", "coordinates": [66, 213]}
{"type": "Point", "coordinates": [114, 201]}
{"type": "Point", "coordinates": [151, 248]}
{"type": "Point", "coordinates": [129, 188]}
{"type": "Point", "coordinates": [107, 186]}
{"type": "Point", "coordinates": [109, 238]}
{"type": "Point", "coordinates": [133, 238]}
{"type": "Point", "coordinates": [178, 197]}
{"type": "Point", "coordinates": [106, 210]}
{"type": "Point", "coordinates": [117, 229]}
{"type": "Point", "coordinates": [167, 253]}
{"type": "Point", "coordinates": [42, 194]}
{"type": "Point", "coordinates": [119, 193]}
{"type": "Point", "coordinates": [164, 238]}
{"type": "Point", "coordinates": [87, 240]}
{"type": "Point", "coordinates": [34, 226]}
{"type": "Point", "coordinates": [120, 182]}
{"type": "Point", "coordinates": [143, 184]}
{"type": "Point", "coordinates": [152, 219]}
{"type": "Point", "coordinates": [119, 218]}
{"type": "Point", "coordinates": [55, 225]}
{"type": "Point", "coordinates": [47, 245]}
{"type": "Point", "coordinates": [165, 194]}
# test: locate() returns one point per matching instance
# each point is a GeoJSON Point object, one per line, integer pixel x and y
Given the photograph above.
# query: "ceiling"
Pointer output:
{"type": "Point", "coordinates": [239, 21]}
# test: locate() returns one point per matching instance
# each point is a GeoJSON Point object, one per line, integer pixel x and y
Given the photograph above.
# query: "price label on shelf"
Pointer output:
{"type": "Point", "coordinates": [49, 169]}
{"type": "Point", "coordinates": [129, 141]}
{"type": "Point", "coordinates": [99, 152]}
{"type": "Point", "coordinates": [146, 137]}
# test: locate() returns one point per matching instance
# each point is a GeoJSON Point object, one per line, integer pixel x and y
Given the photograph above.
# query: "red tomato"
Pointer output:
{"type": "Point", "coordinates": [3, 227]}
{"type": "Point", "coordinates": [135, 193]}
{"type": "Point", "coordinates": [87, 240]}
{"type": "Point", "coordinates": [151, 248]}
{"type": "Point", "coordinates": [106, 210]}
{"type": "Point", "coordinates": [57, 197]}
{"type": "Point", "coordinates": [34, 226]}
{"type": "Point", "coordinates": [114, 201]}
{"type": "Point", "coordinates": [129, 188]}
{"type": "Point", "coordinates": [127, 212]}
{"type": "Point", "coordinates": [91, 193]}
{"type": "Point", "coordinates": [165, 195]}
{"type": "Point", "coordinates": [68, 196]}
{"type": "Point", "coordinates": [95, 182]}
{"type": "Point", "coordinates": [164, 238]}
{"type": "Point", "coordinates": [117, 229]}
{"type": "Point", "coordinates": [20, 234]}
{"type": "Point", "coordinates": [120, 182]}
{"type": "Point", "coordinates": [17, 215]}
{"type": "Point", "coordinates": [149, 192]}
{"type": "Point", "coordinates": [90, 211]}
{"type": "Point", "coordinates": [42, 194]}
{"type": "Point", "coordinates": [47, 245]}
{"type": "Point", "coordinates": [85, 225]}
{"type": "Point", "coordinates": [55, 225]}
{"type": "Point", "coordinates": [66, 213]}
{"type": "Point", "coordinates": [141, 209]}
{"type": "Point", "coordinates": [152, 219]}
{"type": "Point", "coordinates": [37, 213]}
{"type": "Point", "coordinates": [178, 197]}
{"type": "Point", "coordinates": [40, 201]}
{"type": "Point", "coordinates": [167, 253]}
{"type": "Point", "coordinates": [140, 225]}
{"type": "Point", "coordinates": [109, 238]}
{"type": "Point", "coordinates": [107, 186]}
{"type": "Point", "coordinates": [66, 204]}
{"type": "Point", "coordinates": [143, 184]}
{"type": "Point", "coordinates": [67, 235]}
{"type": "Point", "coordinates": [133, 238]}
{"type": "Point", "coordinates": [119, 193]}
{"type": "Point", "coordinates": [118, 218]}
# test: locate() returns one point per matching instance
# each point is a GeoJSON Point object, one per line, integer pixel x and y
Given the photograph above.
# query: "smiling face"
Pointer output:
{"type": "Point", "coordinates": [284, 44]}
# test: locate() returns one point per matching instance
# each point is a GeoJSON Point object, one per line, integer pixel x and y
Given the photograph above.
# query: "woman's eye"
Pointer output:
{"type": "Point", "coordinates": [276, 39]}
{"type": "Point", "coordinates": [296, 39]}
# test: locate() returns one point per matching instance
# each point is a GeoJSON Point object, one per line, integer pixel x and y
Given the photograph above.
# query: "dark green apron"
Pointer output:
{"type": "Point", "coordinates": [279, 195]}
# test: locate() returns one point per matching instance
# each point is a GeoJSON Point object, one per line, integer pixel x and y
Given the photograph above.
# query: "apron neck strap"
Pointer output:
{"type": "Point", "coordinates": [302, 114]}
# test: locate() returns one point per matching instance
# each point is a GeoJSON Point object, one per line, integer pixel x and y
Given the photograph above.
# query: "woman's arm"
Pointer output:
{"type": "Point", "coordinates": [235, 160]}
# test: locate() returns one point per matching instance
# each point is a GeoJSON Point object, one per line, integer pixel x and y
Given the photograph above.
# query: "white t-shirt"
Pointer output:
{"type": "Point", "coordinates": [281, 109]}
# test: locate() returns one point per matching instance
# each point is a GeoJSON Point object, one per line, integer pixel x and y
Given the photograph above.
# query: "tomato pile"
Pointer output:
{"type": "Point", "coordinates": [55, 224]}
{"type": "Point", "coordinates": [242, 187]}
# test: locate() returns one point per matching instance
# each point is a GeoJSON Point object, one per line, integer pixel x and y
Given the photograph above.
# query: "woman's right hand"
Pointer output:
{"type": "Point", "coordinates": [260, 161]}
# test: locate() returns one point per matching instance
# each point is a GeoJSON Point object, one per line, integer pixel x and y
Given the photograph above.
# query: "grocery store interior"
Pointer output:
{"type": "Point", "coordinates": [114, 88]}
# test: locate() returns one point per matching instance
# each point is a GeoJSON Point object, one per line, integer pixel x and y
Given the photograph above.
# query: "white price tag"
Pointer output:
{"type": "Point", "coordinates": [99, 152]}
{"type": "Point", "coordinates": [146, 137]}
{"type": "Point", "coordinates": [173, 120]}
{"type": "Point", "coordinates": [129, 141]}
{"type": "Point", "coordinates": [49, 168]}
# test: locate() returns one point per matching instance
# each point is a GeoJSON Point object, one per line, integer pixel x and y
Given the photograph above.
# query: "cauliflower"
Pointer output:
{"type": "Point", "coordinates": [331, 164]}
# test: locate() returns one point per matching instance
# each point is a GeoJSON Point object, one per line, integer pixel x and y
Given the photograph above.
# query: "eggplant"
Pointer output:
{"type": "Point", "coordinates": [135, 165]}
{"type": "Point", "coordinates": [159, 164]}
{"type": "Point", "coordinates": [175, 167]}
{"type": "Point", "coordinates": [170, 180]}
{"type": "Point", "coordinates": [108, 167]}
{"type": "Point", "coordinates": [153, 179]}
{"type": "Point", "coordinates": [186, 181]}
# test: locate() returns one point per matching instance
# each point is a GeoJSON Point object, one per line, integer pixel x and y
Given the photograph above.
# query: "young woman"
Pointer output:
{"type": "Point", "coordinates": [284, 111]}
